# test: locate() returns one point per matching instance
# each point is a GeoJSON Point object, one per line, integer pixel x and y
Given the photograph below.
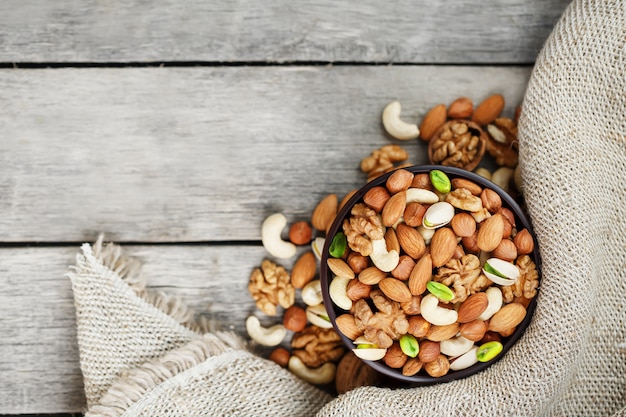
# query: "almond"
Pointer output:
{"type": "Point", "coordinates": [391, 240]}
{"type": "Point", "coordinates": [411, 241]}
{"type": "Point", "coordinates": [356, 290]}
{"type": "Point", "coordinates": [420, 275]}
{"type": "Point", "coordinates": [507, 317]}
{"type": "Point", "coordinates": [524, 242]}
{"type": "Point", "coordinates": [463, 224]}
{"type": "Point", "coordinates": [376, 198]}
{"type": "Point", "coordinates": [474, 330]}
{"type": "Point", "coordinates": [442, 246]}
{"type": "Point", "coordinates": [404, 268]}
{"type": "Point", "coordinates": [347, 326]}
{"type": "Point", "coordinates": [506, 250]}
{"type": "Point", "coordinates": [340, 268]}
{"type": "Point", "coordinates": [490, 233]}
{"type": "Point", "coordinates": [471, 186]}
{"type": "Point", "coordinates": [395, 290]}
{"type": "Point", "coordinates": [400, 180]}
{"type": "Point", "coordinates": [439, 333]}
{"type": "Point", "coordinates": [371, 276]}
{"type": "Point", "coordinates": [487, 111]}
{"type": "Point", "coordinates": [325, 212]}
{"type": "Point", "coordinates": [461, 108]}
{"type": "Point", "coordinates": [304, 270]}
{"type": "Point", "coordinates": [433, 120]}
{"type": "Point", "coordinates": [473, 307]}
{"type": "Point", "coordinates": [394, 208]}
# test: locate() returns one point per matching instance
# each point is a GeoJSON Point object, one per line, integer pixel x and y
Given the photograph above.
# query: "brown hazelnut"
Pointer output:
{"type": "Point", "coordinates": [490, 337]}
{"type": "Point", "coordinates": [474, 330]}
{"type": "Point", "coordinates": [411, 367]}
{"type": "Point", "coordinates": [491, 200]}
{"type": "Point", "coordinates": [412, 307]}
{"type": "Point", "coordinates": [395, 357]}
{"type": "Point", "coordinates": [357, 262]}
{"type": "Point", "coordinates": [508, 215]}
{"type": "Point", "coordinates": [439, 367]}
{"type": "Point", "coordinates": [463, 224]}
{"type": "Point", "coordinates": [356, 290]}
{"type": "Point", "coordinates": [422, 181]}
{"type": "Point", "coordinates": [428, 351]}
{"type": "Point", "coordinates": [376, 198]}
{"type": "Point", "coordinates": [300, 233]}
{"type": "Point", "coordinates": [280, 356]}
{"type": "Point", "coordinates": [505, 250]}
{"type": "Point", "coordinates": [470, 244]}
{"type": "Point", "coordinates": [404, 268]}
{"type": "Point", "coordinates": [414, 214]}
{"type": "Point", "coordinates": [418, 326]}
{"type": "Point", "coordinates": [295, 318]}
{"type": "Point", "coordinates": [459, 252]}
{"type": "Point", "coordinates": [524, 242]}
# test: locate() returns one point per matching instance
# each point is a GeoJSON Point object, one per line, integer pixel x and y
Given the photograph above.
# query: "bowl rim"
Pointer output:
{"type": "Point", "coordinates": [331, 309]}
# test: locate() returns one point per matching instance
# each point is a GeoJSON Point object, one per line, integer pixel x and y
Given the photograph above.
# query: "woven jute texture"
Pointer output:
{"type": "Point", "coordinates": [142, 354]}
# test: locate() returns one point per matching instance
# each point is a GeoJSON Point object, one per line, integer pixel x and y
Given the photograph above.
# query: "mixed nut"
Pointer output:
{"type": "Point", "coordinates": [429, 274]}
{"type": "Point", "coordinates": [419, 296]}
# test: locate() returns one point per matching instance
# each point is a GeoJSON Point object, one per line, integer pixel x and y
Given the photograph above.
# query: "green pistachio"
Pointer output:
{"type": "Point", "coordinates": [409, 345]}
{"type": "Point", "coordinates": [439, 290]}
{"type": "Point", "coordinates": [338, 245]}
{"type": "Point", "coordinates": [488, 351]}
{"type": "Point", "coordinates": [440, 181]}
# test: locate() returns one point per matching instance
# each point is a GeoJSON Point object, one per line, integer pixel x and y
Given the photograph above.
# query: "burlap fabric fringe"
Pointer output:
{"type": "Point", "coordinates": [570, 362]}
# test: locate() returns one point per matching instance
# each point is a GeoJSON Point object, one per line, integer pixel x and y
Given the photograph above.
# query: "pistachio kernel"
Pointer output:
{"type": "Point", "coordinates": [488, 351]}
{"type": "Point", "coordinates": [440, 181]}
{"type": "Point", "coordinates": [439, 290]}
{"type": "Point", "coordinates": [338, 245]}
{"type": "Point", "coordinates": [409, 345]}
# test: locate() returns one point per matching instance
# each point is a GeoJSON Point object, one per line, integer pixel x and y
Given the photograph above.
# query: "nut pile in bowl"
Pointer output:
{"type": "Point", "coordinates": [438, 275]}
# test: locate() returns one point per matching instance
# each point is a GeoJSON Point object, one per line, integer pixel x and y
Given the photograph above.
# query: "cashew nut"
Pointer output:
{"type": "Point", "coordinates": [384, 260]}
{"type": "Point", "coordinates": [395, 126]}
{"type": "Point", "coordinates": [465, 360]}
{"type": "Point", "coordinates": [271, 336]}
{"type": "Point", "coordinates": [427, 234]}
{"type": "Point", "coordinates": [270, 236]}
{"type": "Point", "coordinates": [325, 374]}
{"type": "Point", "coordinates": [312, 293]}
{"type": "Point", "coordinates": [318, 316]}
{"type": "Point", "coordinates": [338, 292]}
{"type": "Point", "coordinates": [455, 346]}
{"type": "Point", "coordinates": [494, 296]}
{"type": "Point", "coordinates": [432, 313]}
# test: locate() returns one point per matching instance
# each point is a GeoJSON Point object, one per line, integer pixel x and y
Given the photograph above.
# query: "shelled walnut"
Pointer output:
{"type": "Point", "coordinates": [458, 143]}
{"type": "Point", "coordinates": [270, 286]}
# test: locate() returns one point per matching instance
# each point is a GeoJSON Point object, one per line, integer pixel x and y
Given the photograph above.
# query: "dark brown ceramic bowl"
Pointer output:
{"type": "Point", "coordinates": [333, 311]}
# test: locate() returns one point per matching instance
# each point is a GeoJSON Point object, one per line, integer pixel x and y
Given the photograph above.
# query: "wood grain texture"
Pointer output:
{"type": "Point", "coordinates": [39, 359]}
{"type": "Point", "coordinates": [419, 31]}
{"type": "Point", "coordinates": [202, 154]}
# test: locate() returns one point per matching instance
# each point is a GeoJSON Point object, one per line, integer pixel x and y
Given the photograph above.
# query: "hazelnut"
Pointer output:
{"type": "Point", "coordinates": [300, 233]}
{"type": "Point", "coordinates": [411, 367]}
{"type": "Point", "coordinates": [506, 250]}
{"type": "Point", "coordinates": [356, 290]}
{"type": "Point", "coordinates": [414, 214]}
{"type": "Point", "coordinates": [376, 198]}
{"type": "Point", "coordinates": [418, 327]}
{"type": "Point", "coordinates": [474, 330]}
{"type": "Point", "coordinates": [395, 358]}
{"type": "Point", "coordinates": [470, 244]}
{"type": "Point", "coordinates": [422, 181]}
{"type": "Point", "coordinates": [280, 356]}
{"type": "Point", "coordinates": [490, 337]}
{"type": "Point", "coordinates": [458, 252]}
{"type": "Point", "coordinates": [404, 268]}
{"type": "Point", "coordinates": [357, 262]}
{"type": "Point", "coordinates": [412, 307]}
{"type": "Point", "coordinates": [508, 215]}
{"type": "Point", "coordinates": [439, 367]}
{"type": "Point", "coordinates": [491, 200]}
{"type": "Point", "coordinates": [428, 351]}
{"type": "Point", "coordinates": [524, 242]}
{"type": "Point", "coordinates": [295, 318]}
{"type": "Point", "coordinates": [463, 224]}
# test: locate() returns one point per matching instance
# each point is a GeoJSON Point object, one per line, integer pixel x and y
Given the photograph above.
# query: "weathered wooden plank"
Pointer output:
{"type": "Point", "coordinates": [201, 154]}
{"type": "Point", "coordinates": [39, 353]}
{"type": "Point", "coordinates": [455, 31]}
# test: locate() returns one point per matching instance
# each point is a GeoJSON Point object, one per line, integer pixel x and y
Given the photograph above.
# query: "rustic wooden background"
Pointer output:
{"type": "Point", "coordinates": [176, 128]}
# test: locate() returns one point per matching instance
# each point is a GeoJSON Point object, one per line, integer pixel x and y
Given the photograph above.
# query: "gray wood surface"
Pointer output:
{"type": "Point", "coordinates": [202, 154]}
{"type": "Point", "coordinates": [424, 31]}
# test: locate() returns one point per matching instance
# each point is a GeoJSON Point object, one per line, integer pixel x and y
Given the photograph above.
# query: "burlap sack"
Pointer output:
{"type": "Point", "coordinates": [143, 354]}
